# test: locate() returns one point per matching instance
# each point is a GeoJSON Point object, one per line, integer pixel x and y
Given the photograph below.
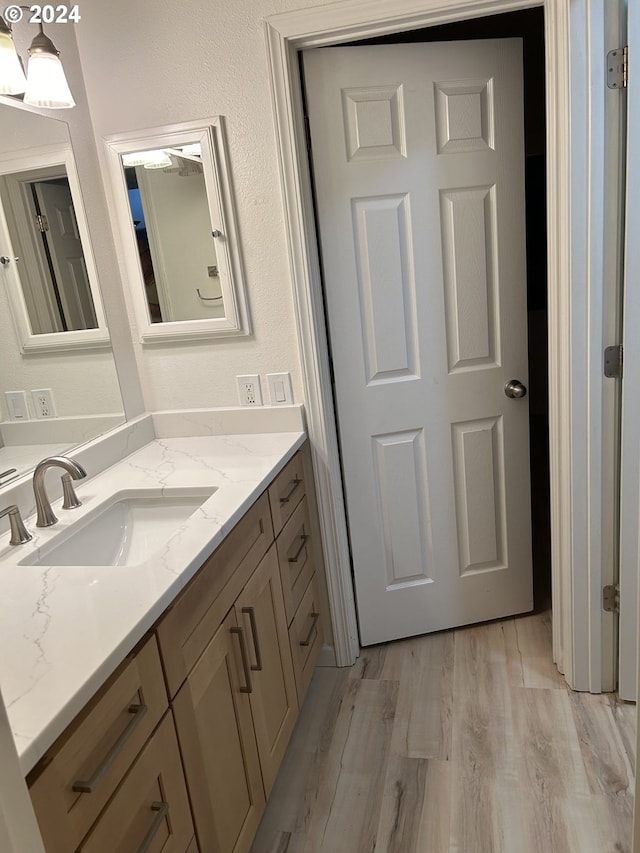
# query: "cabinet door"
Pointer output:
{"type": "Point", "coordinates": [274, 703]}
{"type": "Point", "coordinates": [215, 730]}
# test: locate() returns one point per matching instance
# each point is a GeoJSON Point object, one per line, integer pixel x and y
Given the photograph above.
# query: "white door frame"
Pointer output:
{"type": "Point", "coordinates": [579, 419]}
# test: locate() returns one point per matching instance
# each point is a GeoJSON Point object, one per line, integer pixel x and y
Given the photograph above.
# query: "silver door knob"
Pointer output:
{"type": "Point", "coordinates": [515, 389]}
{"type": "Point", "coordinates": [4, 260]}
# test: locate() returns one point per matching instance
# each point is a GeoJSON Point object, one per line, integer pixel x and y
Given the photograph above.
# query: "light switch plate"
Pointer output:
{"type": "Point", "coordinates": [17, 405]}
{"type": "Point", "coordinates": [280, 393]}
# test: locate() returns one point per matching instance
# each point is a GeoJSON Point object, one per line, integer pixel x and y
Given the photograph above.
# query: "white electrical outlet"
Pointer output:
{"type": "Point", "coordinates": [43, 403]}
{"type": "Point", "coordinates": [17, 405]}
{"type": "Point", "coordinates": [280, 393]}
{"type": "Point", "coordinates": [249, 391]}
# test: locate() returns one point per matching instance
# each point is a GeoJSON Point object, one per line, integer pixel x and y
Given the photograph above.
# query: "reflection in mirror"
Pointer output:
{"type": "Point", "coordinates": [58, 382]}
{"type": "Point", "coordinates": [48, 269]}
{"type": "Point", "coordinates": [170, 213]}
{"type": "Point", "coordinates": [177, 225]}
{"type": "Point", "coordinates": [43, 230]}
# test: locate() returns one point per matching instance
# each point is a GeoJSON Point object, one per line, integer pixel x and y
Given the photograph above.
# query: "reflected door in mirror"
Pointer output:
{"type": "Point", "coordinates": [44, 234]}
{"type": "Point", "coordinates": [172, 223]}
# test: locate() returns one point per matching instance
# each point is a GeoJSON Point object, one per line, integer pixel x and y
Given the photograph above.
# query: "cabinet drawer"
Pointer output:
{"type": "Point", "coordinates": [97, 750]}
{"type": "Point", "coordinates": [286, 492]}
{"type": "Point", "coordinates": [305, 636]}
{"type": "Point", "coordinates": [295, 557]}
{"type": "Point", "coordinates": [188, 626]}
{"type": "Point", "coordinates": [150, 811]}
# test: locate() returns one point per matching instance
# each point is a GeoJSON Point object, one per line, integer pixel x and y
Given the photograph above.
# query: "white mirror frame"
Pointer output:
{"type": "Point", "coordinates": [36, 159]}
{"type": "Point", "coordinates": [210, 134]}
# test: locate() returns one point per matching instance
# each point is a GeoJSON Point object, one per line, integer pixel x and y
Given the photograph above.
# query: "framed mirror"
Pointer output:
{"type": "Point", "coordinates": [176, 221]}
{"type": "Point", "coordinates": [45, 252]}
{"type": "Point", "coordinates": [58, 382]}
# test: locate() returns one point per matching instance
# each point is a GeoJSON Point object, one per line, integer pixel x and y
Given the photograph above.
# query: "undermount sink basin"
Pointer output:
{"type": "Point", "coordinates": [125, 530]}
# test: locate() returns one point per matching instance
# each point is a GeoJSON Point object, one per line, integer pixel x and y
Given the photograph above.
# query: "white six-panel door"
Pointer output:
{"type": "Point", "coordinates": [418, 164]}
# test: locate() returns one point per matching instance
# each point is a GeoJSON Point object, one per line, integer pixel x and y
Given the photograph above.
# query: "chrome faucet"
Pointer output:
{"type": "Point", "coordinates": [46, 515]}
{"type": "Point", "coordinates": [19, 533]}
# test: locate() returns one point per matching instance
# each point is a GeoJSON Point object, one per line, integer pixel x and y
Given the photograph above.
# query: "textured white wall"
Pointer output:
{"type": "Point", "coordinates": [149, 62]}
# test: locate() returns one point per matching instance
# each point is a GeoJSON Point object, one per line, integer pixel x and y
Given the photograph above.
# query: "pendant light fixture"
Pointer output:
{"type": "Point", "coordinates": [45, 84]}
{"type": "Point", "coordinates": [12, 79]}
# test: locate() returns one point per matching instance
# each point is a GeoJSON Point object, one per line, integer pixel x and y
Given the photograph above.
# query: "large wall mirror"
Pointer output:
{"type": "Point", "coordinates": [58, 382]}
{"type": "Point", "coordinates": [176, 220]}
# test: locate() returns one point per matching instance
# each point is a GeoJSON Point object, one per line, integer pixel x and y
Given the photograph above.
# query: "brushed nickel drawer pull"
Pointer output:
{"type": "Point", "coordinates": [303, 541]}
{"type": "Point", "coordinates": [89, 786]}
{"type": "Point", "coordinates": [314, 622]}
{"type": "Point", "coordinates": [294, 485]}
{"type": "Point", "coordinates": [254, 632]}
{"type": "Point", "coordinates": [247, 687]}
{"type": "Point", "coordinates": [162, 810]}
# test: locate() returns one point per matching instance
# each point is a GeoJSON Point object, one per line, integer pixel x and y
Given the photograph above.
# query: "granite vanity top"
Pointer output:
{"type": "Point", "coordinates": [63, 630]}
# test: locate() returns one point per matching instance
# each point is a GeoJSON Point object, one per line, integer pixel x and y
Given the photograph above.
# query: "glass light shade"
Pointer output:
{"type": "Point", "coordinates": [46, 83]}
{"type": "Point", "coordinates": [12, 79]}
{"type": "Point", "coordinates": [193, 148]}
{"type": "Point", "coordinates": [157, 160]}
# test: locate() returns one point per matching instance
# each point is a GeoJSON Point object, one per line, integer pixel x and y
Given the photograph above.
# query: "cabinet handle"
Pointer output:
{"type": "Point", "coordinates": [303, 541]}
{"type": "Point", "coordinates": [247, 688]}
{"type": "Point", "coordinates": [314, 622]}
{"type": "Point", "coordinates": [294, 485]}
{"type": "Point", "coordinates": [88, 786]}
{"type": "Point", "coordinates": [254, 633]}
{"type": "Point", "coordinates": [162, 810]}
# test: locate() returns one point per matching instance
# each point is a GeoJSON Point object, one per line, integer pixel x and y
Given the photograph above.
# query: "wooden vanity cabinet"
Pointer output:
{"type": "Point", "coordinates": [150, 810]}
{"type": "Point", "coordinates": [274, 701]}
{"type": "Point", "coordinates": [235, 714]}
{"type": "Point", "coordinates": [97, 750]}
{"type": "Point", "coordinates": [221, 679]}
{"type": "Point", "coordinates": [215, 730]}
{"type": "Point", "coordinates": [189, 624]}
{"type": "Point", "coordinates": [299, 553]}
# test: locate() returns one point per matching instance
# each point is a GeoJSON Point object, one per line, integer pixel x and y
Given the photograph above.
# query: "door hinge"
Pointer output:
{"type": "Point", "coordinates": [42, 223]}
{"type": "Point", "coordinates": [611, 598]}
{"type": "Point", "coordinates": [617, 68]}
{"type": "Point", "coordinates": [613, 362]}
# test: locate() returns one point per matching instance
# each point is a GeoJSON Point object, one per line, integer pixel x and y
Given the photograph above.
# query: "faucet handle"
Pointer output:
{"type": "Point", "coordinates": [19, 533]}
{"type": "Point", "coordinates": [71, 500]}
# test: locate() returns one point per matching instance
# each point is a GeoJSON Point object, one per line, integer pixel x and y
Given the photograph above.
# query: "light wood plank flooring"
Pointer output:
{"type": "Point", "coordinates": [465, 741]}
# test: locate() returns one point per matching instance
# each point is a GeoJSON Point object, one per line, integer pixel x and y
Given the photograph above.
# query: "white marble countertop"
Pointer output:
{"type": "Point", "coordinates": [63, 630]}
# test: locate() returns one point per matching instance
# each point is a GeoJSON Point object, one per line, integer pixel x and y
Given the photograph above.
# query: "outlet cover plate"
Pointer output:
{"type": "Point", "coordinates": [249, 391]}
{"type": "Point", "coordinates": [43, 405]}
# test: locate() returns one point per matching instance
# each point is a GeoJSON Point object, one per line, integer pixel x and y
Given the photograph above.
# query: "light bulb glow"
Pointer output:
{"type": "Point", "coordinates": [136, 158]}
{"type": "Point", "coordinates": [46, 83]}
{"type": "Point", "coordinates": [12, 79]}
{"type": "Point", "coordinates": [157, 160]}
